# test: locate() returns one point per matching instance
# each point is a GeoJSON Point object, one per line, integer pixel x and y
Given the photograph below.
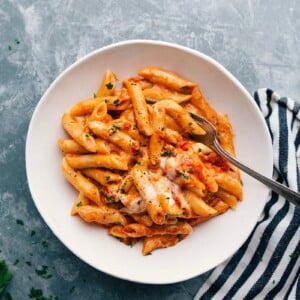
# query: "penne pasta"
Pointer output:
{"type": "Point", "coordinates": [102, 215]}
{"type": "Point", "coordinates": [159, 92]}
{"type": "Point", "coordinates": [78, 133]}
{"type": "Point", "coordinates": [136, 230]}
{"type": "Point", "coordinates": [81, 183]}
{"type": "Point", "coordinates": [112, 161]}
{"type": "Point", "coordinates": [160, 241]}
{"type": "Point", "coordinates": [181, 116]}
{"type": "Point", "coordinates": [103, 176]}
{"type": "Point", "coordinates": [112, 132]}
{"type": "Point", "coordinates": [139, 107]}
{"type": "Point", "coordinates": [203, 107]}
{"type": "Point", "coordinates": [80, 201]}
{"type": "Point", "coordinates": [168, 79]}
{"type": "Point", "coordinates": [108, 84]}
{"type": "Point", "coordinates": [138, 172]}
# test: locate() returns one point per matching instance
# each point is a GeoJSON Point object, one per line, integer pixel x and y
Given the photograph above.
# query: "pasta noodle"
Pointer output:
{"type": "Point", "coordinates": [137, 172]}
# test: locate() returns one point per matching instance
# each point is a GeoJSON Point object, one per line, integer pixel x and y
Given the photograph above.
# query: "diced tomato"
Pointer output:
{"type": "Point", "coordinates": [218, 161]}
{"type": "Point", "coordinates": [177, 200]}
{"type": "Point", "coordinates": [135, 149]}
{"type": "Point", "coordinates": [198, 170]}
{"type": "Point", "coordinates": [184, 145]}
{"type": "Point", "coordinates": [126, 126]}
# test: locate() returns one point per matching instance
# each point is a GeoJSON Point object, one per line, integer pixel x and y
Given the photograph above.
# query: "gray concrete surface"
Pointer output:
{"type": "Point", "coordinates": [256, 40]}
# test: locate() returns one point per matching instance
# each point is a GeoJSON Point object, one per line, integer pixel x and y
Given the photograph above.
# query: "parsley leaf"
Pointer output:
{"type": "Point", "coordinates": [7, 296]}
{"type": "Point", "coordinates": [38, 294]}
{"type": "Point", "coordinates": [295, 254]}
{"type": "Point", "coordinates": [116, 102]}
{"type": "Point", "coordinates": [43, 272]}
{"type": "Point", "coordinates": [166, 153]}
{"type": "Point", "coordinates": [19, 222]}
{"type": "Point", "coordinates": [183, 174]}
{"type": "Point", "coordinates": [5, 276]}
{"type": "Point", "coordinates": [109, 85]}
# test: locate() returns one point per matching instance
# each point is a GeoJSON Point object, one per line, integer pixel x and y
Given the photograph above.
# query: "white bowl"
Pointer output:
{"type": "Point", "coordinates": [212, 242]}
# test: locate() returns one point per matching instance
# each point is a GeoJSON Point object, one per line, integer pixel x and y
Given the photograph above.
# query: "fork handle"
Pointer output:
{"type": "Point", "coordinates": [280, 189]}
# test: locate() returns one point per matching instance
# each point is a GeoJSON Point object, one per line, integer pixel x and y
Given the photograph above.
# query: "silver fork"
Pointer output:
{"type": "Point", "coordinates": [210, 140]}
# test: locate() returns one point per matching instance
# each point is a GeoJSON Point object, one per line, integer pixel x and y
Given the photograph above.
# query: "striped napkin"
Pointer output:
{"type": "Point", "coordinates": [267, 266]}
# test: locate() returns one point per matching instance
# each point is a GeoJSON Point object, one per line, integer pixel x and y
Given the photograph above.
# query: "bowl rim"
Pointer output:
{"type": "Point", "coordinates": [106, 48]}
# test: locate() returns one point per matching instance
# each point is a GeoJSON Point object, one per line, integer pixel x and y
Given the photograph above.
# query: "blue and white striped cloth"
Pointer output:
{"type": "Point", "coordinates": [267, 266]}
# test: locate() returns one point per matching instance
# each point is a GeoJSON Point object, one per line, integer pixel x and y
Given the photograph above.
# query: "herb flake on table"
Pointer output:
{"type": "Point", "coordinates": [19, 222]}
{"type": "Point", "coordinates": [295, 254]}
{"type": "Point", "coordinates": [37, 294]}
{"type": "Point", "coordinates": [5, 276]}
{"type": "Point", "coordinates": [7, 296]}
{"type": "Point", "coordinates": [45, 244]}
{"type": "Point", "coordinates": [43, 272]}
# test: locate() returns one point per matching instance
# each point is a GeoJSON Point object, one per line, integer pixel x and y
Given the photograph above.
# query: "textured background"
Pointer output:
{"type": "Point", "coordinates": [255, 39]}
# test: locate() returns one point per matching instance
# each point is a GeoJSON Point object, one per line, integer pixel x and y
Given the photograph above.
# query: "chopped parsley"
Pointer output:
{"type": "Point", "coordinates": [7, 296]}
{"type": "Point", "coordinates": [79, 204]}
{"type": "Point", "coordinates": [45, 244]}
{"type": "Point", "coordinates": [114, 128]}
{"type": "Point", "coordinates": [37, 294]}
{"type": "Point", "coordinates": [116, 102]}
{"type": "Point", "coordinates": [19, 222]}
{"type": "Point", "coordinates": [109, 86]}
{"type": "Point", "coordinates": [183, 174]}
{"type": "Point", "coordinates": [179, 236]}
{"type": "Point", "coordinates": [9, 48]}
{"type": "Point", "coordinates": [72, 289]}
{"type": "Point", "coordinates": [16, 262]}
{"type": "Point", "coordinates": [112, 131]}
{"type": "Point", "coordinates": [190, 123]}
{"type": "Point", "coordinates": [28, 263]}
{"type": "Point", "coordinates": [294, 255]}
{"type": "Point", "coordinates": [109, 198]}
{"type": "Point", "coordinates": [107, 178]}
{"type": "Point", "coordinates": [116, 125]}
{"type": "Point", "coordinates": [133, 83]}
{"type": "Point", "coordinates": [17, 41]}
{"type": "Point", "coordinates": [5, 276]}
{"type": "Point", "coordinates": [43, 272]}
{"type": "Point", "coordinates": [199, 150]}
{"type": "Point", "coordinates": [94, 95]}
{"type": "Point", "coordinates": [166, 153]}
{"type": "Point", "coordinates": [32, 233]}
{"type": "Point", "coordinates": [273, 281]}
